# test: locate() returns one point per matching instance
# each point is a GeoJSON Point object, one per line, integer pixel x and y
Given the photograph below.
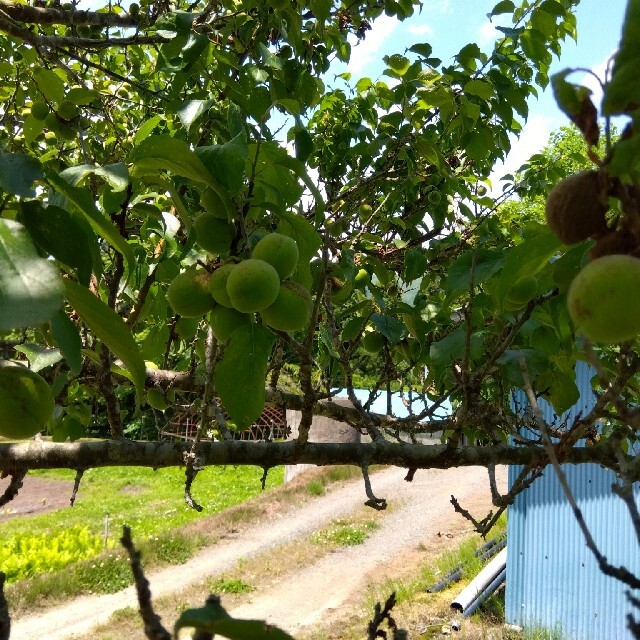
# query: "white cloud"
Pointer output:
{"type": "Point", "coordinates": [365, 51]}
{"type": "Point", "coordinates": [420, 29]}
{"type": "Point", "coordinates": [534, 136]}
{"type": "Point", "coordinates": [600, 70]}
{"type": "Point", "coordinates": [487, 33]}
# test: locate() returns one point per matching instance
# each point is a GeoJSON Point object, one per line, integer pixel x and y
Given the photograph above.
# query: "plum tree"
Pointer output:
{"type": "Point", "coordinates": [113, 145]}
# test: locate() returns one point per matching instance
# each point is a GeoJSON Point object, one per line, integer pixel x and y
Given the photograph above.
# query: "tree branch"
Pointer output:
{"type": "Point", "coordinates": [123, 453]}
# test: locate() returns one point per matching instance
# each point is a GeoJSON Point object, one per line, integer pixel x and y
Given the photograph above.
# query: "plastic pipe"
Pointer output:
{"type": "Point", "coordinates": [485, 594]}
{"type": "Point", "coordinates": [480, 582]}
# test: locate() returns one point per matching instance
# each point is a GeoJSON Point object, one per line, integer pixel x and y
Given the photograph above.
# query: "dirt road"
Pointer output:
{"type": "Point", "coordinates": [420, 514]}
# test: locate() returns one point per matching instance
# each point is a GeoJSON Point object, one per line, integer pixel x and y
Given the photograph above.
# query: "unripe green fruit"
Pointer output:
{"type": "Point", "coordinates": [362, 279]}
{"type": "Point", "coordinates": [253, 285]}
{"type": "Point", "coordinates": [156, 400]}
{"type": "Point", "coordinates": [39, 110]}
{"type": "Point", "coordinates": [373, 342]}
{"type": "Point", "coordinates": [134, 8]}
{"type": "Point", "coordinates": [67, 133]}
{"type": "Point", "coordinates": [67, 110]}
{"type": "Point", "coordinates": [213, 204]}
{"type": "Point", "coordinates": [225, 321]}
{"type": "Point", "coordinates": [604, 299]}
{"type": "Point", "coordinates": [364, 212]}
{"type": "Point", "coordinates": [186, 328]}
{"type": "Point", "coordinates": [188, 293]}
{"type": "Point", "coordinates": [292, 309]}
{"type": "Point", "coordinates": [521, 292]}
{"type": "Point", "coordinates": [214, 235]}
{"type": "Point", "coordinates": [52, 123]}
{"type": "Point", "coordinates": [434, 197]}
{"type": "Point", "coordinates": [26, 402]}
{"type": "Point", "coordinates": [218, 285]}
{"type": "Point", "coordinates": [84, 31]}
{"type": "Point", "coordinates": [280, 251]}
{"type": "Point", "coordinates": [340, 290]}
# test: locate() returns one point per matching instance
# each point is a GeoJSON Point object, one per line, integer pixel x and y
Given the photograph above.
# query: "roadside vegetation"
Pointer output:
{"type": "Point", "coordinates": [62, 554]}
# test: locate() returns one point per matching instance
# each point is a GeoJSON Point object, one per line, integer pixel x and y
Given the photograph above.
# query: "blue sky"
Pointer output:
{"type": "Point", "coordinates": [447, 25]}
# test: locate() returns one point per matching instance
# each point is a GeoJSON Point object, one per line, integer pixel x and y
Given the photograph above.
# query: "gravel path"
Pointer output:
{"type": "Point", "coordinates": [421, 511]}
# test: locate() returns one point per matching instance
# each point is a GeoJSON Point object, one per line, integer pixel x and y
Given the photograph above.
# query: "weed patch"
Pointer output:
{"type": "Point", "coordinates": [343, 534]}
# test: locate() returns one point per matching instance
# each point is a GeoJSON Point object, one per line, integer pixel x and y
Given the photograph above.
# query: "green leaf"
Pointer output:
{"type": "Point", "coordinates": [57, 233]}
{"type": "Point", "coordinates": [30, 286]}
{"type": "Point", "coordinates": [415, 264]}
{"type": "Point", "coordinates": [50, 84]}
{"type": "Point", "coordinates": [527, 258]}
{"type": "Point", "coordinates": [39, 357]}
{"type": "Point", "coordinates": [170, 154]}
{"type": "Point", "coordinates": [191, 110]}
{"type": "Point", "coordinates": [240, 374]}
{"type": "Point", "coordinates": [82, 96]}
{"type": "Point", "coordinates": [215, 620]}
{"type": "Point", "coordinates": [536, 362]}
{"type": "Point", "coordinates": [116, 175]}
{"type": "Point", "coordinates": [227, 161]}
{"type": "Point", "coordinates": [352, 328]}
{"type": "Point", "coordinates": [564, 392]}
{"type": "Point", "coordinates": [487, 264]}
{"type": "Point", "coordinates": [68, 428]}
{"type": "Point", "coordinates": [391, 328]}
{"type": "Point", "coordinates": [65, 333]}
{"type": "Point", "coordinates": [109, 327]}
{"type": "Point", "coordinates": [82, 199]}
{"type": "Point", "coordinates": [452, 348]}
{"type": "Point", "coordinates": [18, 173]}
{"type": "Point", "coordinates": [146, 128]}
{"type": "Point", "coordinates": [622, 94]}
{"type": "Point", "coordinates": [479, 88]}
{"type": "Point", "coordinates": [506, 6]}
{"type": "Point", "coordinates": [398, 63]}
{"type": "Point", "coordinates": [303, 143]}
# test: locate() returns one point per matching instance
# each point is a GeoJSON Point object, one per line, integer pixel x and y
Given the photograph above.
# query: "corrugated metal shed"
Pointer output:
{"type": "Point", "coordinates": [553, 581]}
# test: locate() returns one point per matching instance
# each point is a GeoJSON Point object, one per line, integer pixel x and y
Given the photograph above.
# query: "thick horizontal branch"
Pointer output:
{"type": "Point", "coordinates": [53, 15]}
{"type": "Point", "coordinates": [122, 453]}
{"type": "Point", "coordinates": [47, 42]}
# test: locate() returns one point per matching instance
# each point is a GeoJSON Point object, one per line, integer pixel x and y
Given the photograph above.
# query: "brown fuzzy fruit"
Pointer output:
{"type": "Point", "coordinates": [576, 207]}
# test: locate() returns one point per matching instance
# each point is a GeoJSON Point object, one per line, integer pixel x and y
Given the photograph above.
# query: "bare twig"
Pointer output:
{"type": "Point", "coordinates": [153, 628]}
{"type": "Point", "coordinates": [76, 486]}
{"type": "Point", "coordinates": [379, 504]}
{"type": "Point", "coordinates": [14, 487]}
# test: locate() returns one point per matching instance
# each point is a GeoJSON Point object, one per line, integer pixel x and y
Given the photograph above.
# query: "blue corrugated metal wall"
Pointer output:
{"type": "Point", "coordinates": [553, 580]}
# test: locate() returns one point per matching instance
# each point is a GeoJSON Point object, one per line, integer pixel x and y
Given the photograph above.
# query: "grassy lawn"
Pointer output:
{"type": "Point", "coordinates": [150, 502]}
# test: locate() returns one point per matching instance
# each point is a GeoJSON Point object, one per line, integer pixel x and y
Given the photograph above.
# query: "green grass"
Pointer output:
{"type": "Point", "coordinates": [149, 502]}
{"type": "Point", "coordinates": [343, 534]}
{"type": "Point", "coordinates": [224, 585]}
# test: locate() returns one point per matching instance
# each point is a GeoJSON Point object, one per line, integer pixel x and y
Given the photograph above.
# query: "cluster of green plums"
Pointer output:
{"type": "Point", "coordinates": [234, 291]}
